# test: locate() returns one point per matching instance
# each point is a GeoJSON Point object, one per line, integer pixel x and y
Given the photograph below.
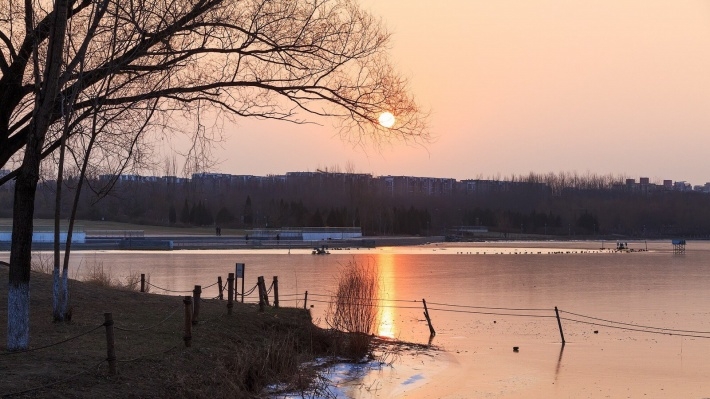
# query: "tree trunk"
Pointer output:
{"type": "Point", "coordinates": [56, 295]}
{"type": "Point", "coordinates": [70, 230]}
{"type": "Point", "coordinates": [18, 295]}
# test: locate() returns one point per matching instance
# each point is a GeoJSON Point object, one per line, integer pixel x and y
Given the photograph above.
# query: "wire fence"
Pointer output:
{"type": "Point", "coordinates": [547, 313]}
{"type": "Point", "coordinates": [384, 303]}
{"type": "Point", "coordinates": [109, 358]}
{"type": "Point", "coordinates": [409, 304]}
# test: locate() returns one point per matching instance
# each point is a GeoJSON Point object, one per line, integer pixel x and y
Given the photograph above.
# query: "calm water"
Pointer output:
{"type": "Point", "coordinates": [655, 288]}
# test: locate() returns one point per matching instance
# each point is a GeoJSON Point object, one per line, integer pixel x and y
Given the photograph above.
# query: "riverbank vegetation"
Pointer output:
{"type": "Point", "coordinates": [353, 308]}
{"type": "Point", "coordinates": [236, 356]}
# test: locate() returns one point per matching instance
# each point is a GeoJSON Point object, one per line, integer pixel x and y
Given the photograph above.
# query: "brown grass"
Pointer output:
{"type": "Point", "coordinates": [233, 356]}
{"type": "Point", "coordinates": [42, 262]}
{"type": "Point", "coordinates": [353, 308]}
{"type": "Point", "coordinates": [102, 277]}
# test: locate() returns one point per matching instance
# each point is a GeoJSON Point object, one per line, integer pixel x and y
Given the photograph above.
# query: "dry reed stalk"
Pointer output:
{"type": "Point", "coordinates": [353, 308]}
{"type": "Point", "coordinates": [42, 262]}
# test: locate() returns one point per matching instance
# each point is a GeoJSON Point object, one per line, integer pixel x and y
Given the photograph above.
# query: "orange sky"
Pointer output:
{"type": "Point", "coordinates": [526, 85]}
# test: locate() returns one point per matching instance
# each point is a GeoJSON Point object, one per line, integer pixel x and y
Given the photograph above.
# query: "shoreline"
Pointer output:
{"type": "Point", "coordinates": [237, 353]}
{"type": "Point", "coordinates": [207, 242]}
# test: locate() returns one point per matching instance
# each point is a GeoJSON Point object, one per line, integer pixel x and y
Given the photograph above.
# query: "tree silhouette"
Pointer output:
{"type": "Point", "coordinates": [137, 65]}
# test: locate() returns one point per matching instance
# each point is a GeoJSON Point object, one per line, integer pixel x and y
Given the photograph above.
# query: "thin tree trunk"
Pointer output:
{"type": "Point", "coordinates": [70, 230]}
{"type": "Point", "coordinates": [57, 304]}
{"type": "Point", "coordinates": [18, 295]}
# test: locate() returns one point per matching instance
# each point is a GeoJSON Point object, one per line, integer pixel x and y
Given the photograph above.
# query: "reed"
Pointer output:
{"type": "Point", "coordinates": [42, 262]}
{"type": "Point", "coordinates": [103, 277]}
{"type": "Point", "coordinates": [353, 307]}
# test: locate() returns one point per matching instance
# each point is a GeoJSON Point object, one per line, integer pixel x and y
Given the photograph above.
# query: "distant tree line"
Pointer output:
{"type": "Point", "coordinates": [577, 205]}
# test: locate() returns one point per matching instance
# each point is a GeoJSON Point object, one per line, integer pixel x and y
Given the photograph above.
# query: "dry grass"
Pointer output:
{"type": "Point", "coordinates": [42, 262]}
{"type": "Point", "coordinates": [353, 308]}
{"type": "Point", "coordinates": [98, 275]}
{"type": "Point", "coordinates": [233, 356]}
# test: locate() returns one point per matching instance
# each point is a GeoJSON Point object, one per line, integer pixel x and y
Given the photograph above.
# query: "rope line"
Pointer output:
{"type": "Point", "coordinates": [635, 325]}
{"type": "Point", "coordinates": [249, 292]}
{"type": "Point", "coordinates": [633, 329]}
{"type": "Point", "coordinates": [489, 308]}
{"type": "Point", "coordinates": [371, 305]}
{"type": "Point", "coordinates": [448, 310]}
{"type": "Point", "coordinates": [151, 327]}
{"type": "Point", "coordinates": [165, 289]}
{"type": "Point", "coordinates": [492, 313]}
{"type": "Point", "coordinates": [381, 299]}
{"type": "Point", "coordinates": [54, 344]}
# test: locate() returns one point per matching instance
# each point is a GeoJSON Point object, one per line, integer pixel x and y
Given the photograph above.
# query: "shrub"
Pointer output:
{"type": "Point", "coordinates": [353, 308]}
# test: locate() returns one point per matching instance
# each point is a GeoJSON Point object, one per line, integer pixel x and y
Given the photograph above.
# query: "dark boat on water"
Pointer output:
{"type": "Point", "coordinates": [320, 251]}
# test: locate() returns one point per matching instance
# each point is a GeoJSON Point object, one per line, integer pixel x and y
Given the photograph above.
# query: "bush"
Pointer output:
{"type": "Point", "coordinates": [353, 308]}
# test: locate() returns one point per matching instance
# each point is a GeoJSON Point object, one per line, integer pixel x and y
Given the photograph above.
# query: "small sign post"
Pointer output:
{"type": "Point", "coordinates": [240, 274]}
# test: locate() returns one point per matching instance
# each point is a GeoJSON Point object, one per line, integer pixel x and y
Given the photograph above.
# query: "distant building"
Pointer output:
{"type": "Point", "coordinates": [409, 185]}
{"type": "Point", "coordinates": [130, 178]}
{"type": "Point", "coordinates": [682, 186]}
{"type": "Point", "coordinates": [78, 237]}
{"type": "Point", "coordinates": [175, 180]}
{"type": "Point", "coordinates": [391, 185]}
{"type": "Point", "coordinates": [306, 233]}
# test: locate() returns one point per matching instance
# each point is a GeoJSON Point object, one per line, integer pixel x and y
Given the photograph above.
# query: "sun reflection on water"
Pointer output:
{"type": "Point", "coordinates": [385, 267]}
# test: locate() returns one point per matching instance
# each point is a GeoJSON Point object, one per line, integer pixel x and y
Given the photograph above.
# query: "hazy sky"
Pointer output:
{"type": "Point", "coordinates": [514, 86]}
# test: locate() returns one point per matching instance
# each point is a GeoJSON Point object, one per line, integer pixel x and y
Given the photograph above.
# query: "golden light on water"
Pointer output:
{"type": "Point", "coordinates": [385, 267]}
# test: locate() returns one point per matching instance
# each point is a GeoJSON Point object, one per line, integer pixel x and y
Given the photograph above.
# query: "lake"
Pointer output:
{"type": "Point", "coordinates": [617, 310]}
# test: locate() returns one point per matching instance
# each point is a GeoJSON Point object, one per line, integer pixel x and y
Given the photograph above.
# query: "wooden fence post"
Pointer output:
{"type": "Point", "coordinates": [559, 324]}
{"type": "Point", "coordinates": [428, 319]}
{"type": "Point", "coordinates": [261, 289]}
{"type": "Point", "coordinates": [196, 306]}
{"type": "Point", "coordinates": [276, 291]}
{"type": "Point", "coordinates": [188, 321]}
{"type": "Point", "coordinates": [110, 346]}
{"type": "Point", "coordinates": [142, 282]}
{"type": "Point", "coordinates": [230, 292]}
{"type": "Point", "coordinates": [221, 289]}
{"type": "Point", "coordinates": [305, 301]}
{"type": "Point", "coordinates": [266, 294]}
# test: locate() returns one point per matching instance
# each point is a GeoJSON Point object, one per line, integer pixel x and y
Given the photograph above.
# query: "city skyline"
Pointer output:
{"type": "Point", "coordinates": [643, 183]}
{"type": "Point", "coordinates": [524, 86]}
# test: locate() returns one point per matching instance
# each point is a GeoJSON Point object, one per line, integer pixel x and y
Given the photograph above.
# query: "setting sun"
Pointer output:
{"type": "Point", "coordinates": [386, 119]}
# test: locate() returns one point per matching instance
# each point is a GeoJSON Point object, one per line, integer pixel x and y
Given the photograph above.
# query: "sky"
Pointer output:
{"type": "Point", "coordinates": [520, 86]}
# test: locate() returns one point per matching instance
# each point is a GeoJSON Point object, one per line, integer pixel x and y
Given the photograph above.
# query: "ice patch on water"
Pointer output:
{"type": "Point", "coordinates": [413, 379]}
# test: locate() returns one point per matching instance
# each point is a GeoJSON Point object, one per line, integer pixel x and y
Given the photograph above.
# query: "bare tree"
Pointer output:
{"type": "Point", "coordinates": [270, 59]}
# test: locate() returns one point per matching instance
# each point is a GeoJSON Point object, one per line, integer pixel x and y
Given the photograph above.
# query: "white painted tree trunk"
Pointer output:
{"type": "Point", "coordinates": [56, 296]}
{"type": "Point", "coordinates": [65, 293]}
{"type": "Point", "coordinates": [18, 310]}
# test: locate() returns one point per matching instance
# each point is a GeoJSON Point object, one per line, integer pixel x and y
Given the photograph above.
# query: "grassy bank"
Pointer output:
{"type": "Point", "coordinates": [234, 356]}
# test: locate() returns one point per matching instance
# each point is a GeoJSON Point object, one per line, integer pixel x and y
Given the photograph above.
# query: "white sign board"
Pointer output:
{"type": "Point", "coordinates": [240, 270]}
